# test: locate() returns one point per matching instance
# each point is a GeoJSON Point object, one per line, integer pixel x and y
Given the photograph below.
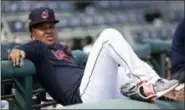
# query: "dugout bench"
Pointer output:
{"type": "Point", "coordinates": [23, 94]}
{"type": "Point", "coordinates": [127, 103]}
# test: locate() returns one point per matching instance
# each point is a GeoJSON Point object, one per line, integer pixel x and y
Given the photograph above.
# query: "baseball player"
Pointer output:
{"type": "Point", "coordinates": [177, 52]}
{"type": "Point", "coordinates": [178, 60]}
{"type": "Point", "coordinates": [69, 84]}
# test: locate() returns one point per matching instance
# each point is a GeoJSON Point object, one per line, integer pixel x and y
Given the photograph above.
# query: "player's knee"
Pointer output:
{"type": "Point", "coordinates": [110, 33]}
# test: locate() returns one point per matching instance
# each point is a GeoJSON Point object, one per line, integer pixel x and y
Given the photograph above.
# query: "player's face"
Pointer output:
{"type": "Point", "coordinates": [45, 32]}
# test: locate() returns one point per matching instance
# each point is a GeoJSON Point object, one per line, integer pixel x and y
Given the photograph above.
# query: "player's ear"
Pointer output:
{"type": "Point", "coordinates": [32, 35]}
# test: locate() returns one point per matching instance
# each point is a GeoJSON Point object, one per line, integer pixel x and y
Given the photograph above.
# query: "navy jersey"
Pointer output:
{"type": "Point", "coordinates": [178, 48]}
{"type": "Point", "coordinates": [59, 76]}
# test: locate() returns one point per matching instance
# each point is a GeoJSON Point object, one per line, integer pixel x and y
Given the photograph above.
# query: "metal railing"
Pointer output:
{"type": "Point", "coordinates": [21, 77]}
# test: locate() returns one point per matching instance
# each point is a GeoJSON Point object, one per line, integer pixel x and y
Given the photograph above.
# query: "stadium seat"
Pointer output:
{"type": "Point", "coordinates": [79, 58]}
{"type": "Point", "coordinates": [142, 51]}
{"type": "Point", "coordinates": [155, 44]}
{"type": "Point", "coordinates": [160, 39]}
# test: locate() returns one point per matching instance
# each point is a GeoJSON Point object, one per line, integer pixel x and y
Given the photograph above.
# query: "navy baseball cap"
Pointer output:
{"type": "Point", "coordinates": [42, 14]}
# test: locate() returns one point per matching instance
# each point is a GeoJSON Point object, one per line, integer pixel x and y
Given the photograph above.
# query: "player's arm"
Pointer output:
{"type": "Point", "coordinates": [28, 51]}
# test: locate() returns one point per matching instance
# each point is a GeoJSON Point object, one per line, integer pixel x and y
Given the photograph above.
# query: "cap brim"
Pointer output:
{"type": "Point", "coordinates": [42, 21]}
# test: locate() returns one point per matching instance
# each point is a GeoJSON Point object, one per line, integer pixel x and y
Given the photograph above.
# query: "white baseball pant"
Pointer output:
{"type": "Point", "coordinates": [101, 78]}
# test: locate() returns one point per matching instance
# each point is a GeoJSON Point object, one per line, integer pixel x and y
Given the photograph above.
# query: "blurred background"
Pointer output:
{"type": "Point", "coordinates": [80, 20]}
{"type": "Point", "coordinates": [140, 22]}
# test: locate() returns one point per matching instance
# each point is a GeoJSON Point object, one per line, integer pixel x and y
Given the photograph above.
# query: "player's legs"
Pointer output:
{"type": "Point", "coordinates": [100, 77]}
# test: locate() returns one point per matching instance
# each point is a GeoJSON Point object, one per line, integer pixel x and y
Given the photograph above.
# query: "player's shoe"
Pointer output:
{"type": "Point", "coordinates": [163, 86]}
{"type": "Point", "coordinates": [148, 92]}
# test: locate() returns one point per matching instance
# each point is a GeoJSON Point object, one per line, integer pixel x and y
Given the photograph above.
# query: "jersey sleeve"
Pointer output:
{"type": "Point", "coordinates": [32, 49]}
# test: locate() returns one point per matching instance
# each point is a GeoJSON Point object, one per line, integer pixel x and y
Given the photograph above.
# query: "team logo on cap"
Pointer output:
{"type": "Point", "coordinates": [45, 14]}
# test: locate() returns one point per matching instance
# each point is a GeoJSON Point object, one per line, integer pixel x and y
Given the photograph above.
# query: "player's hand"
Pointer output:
{"type": "Point", "coordinates": [177, 94]}
{"type": "Point", "coordinates": [66, 49]}
{"type": "Point", "coordinates": [16, 56]}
